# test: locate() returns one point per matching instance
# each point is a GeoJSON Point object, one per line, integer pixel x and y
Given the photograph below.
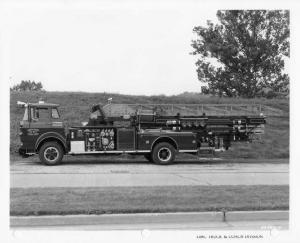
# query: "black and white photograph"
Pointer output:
{"type": "Point", "coordinates": [149, 121]}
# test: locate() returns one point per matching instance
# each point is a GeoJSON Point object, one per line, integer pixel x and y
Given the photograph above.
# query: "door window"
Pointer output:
{"type": "Point", "coordinates": [39, 113]}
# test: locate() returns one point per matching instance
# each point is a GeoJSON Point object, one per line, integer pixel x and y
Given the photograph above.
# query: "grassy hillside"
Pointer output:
{"type": "Point", "coordinates": [75, 107]}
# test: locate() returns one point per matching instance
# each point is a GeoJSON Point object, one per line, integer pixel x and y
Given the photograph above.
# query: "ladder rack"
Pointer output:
{"type": "Point", "coordinates": [114, 110]}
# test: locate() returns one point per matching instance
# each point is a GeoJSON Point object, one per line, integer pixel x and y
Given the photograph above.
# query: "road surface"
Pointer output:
{"type": "Point", "coordinates": [78, 173]}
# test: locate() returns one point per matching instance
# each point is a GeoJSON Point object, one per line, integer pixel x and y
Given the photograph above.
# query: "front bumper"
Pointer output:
{"type": "Point", "coordinates": [25, 153]}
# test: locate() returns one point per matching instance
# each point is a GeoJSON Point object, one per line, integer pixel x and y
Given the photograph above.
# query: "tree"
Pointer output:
{"type": "Point", "coordinates": [28, 86]}
{"type": "Point", "coordinates": [244, 52]}
{"type": "Point", "coordinates": [204, 90]}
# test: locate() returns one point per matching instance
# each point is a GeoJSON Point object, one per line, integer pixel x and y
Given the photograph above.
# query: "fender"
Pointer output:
{"type": "Point", "coordinates": [51, 135]}
{"type": "Point", "coordinates": [164, 137]}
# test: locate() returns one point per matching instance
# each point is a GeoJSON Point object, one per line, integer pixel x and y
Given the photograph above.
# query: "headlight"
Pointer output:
{"type": "Point", "coordinates": [20, 133]}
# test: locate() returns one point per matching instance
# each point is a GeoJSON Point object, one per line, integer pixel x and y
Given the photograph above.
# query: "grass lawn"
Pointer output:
{"type": "Point", "coordinates": [106, 200]}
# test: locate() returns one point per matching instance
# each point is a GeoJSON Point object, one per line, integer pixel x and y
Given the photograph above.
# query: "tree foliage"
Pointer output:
{"type": "Point", "coordinates": [244, 52]}
{"type": "Point", "coordinates": [27, 85]}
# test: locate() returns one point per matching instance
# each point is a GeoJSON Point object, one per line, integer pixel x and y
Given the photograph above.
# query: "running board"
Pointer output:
{"type": "Point", "coordinates": [110, 152]}
{"type": "Point", "coordinates": [199, 151]}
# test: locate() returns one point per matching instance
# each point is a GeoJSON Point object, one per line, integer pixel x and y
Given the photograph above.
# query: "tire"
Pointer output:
{"type": "Point", "coordinates": [148, 157]}
{"type": "Point", "coordinates": [163, 154]}
{"type": "Point", "coordinates": [51, 153]}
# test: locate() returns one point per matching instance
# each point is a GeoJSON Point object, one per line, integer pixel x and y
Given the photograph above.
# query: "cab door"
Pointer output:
{"type": "Point", "coordinates": [39, 117]}
{"type": "Point", "coordinates": [38, 123]}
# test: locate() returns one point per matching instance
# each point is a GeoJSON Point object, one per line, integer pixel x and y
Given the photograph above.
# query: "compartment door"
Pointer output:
{"type": "Point", "coordinates": [126, 139]}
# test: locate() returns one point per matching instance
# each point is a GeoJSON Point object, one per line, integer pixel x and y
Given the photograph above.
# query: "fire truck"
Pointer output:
{"type": "Point", "coordinates": [157, 136]}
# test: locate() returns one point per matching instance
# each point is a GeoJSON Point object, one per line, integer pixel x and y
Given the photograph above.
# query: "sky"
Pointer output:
{"type": "Point", "coordinates": [138, 47]}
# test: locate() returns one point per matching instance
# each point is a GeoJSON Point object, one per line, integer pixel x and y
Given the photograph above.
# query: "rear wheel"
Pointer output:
{"type": "Point", "coordinates": [51, 153]}
{"type": "Point", "coordinates": [163, 154]}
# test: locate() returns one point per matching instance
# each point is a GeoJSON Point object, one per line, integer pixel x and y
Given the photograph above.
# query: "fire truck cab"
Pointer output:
{"type": "Point", "coordinates": [42, 131]}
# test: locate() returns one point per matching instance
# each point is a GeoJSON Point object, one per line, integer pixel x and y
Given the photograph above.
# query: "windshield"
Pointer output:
{"type": "Point", "coordinates": [25, 117]}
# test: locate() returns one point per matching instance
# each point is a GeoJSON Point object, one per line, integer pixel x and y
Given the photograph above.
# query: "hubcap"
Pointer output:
{"type": "Point", "coordinates": [164, 154]}
{"type": "Point", "coordinates": [51, 154]}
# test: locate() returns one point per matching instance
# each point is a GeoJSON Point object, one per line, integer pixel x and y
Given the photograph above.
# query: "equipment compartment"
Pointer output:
{"type": "Point", "coordinates": [95, 139]}
{"type": "Point", "coordinates": [126, 139]}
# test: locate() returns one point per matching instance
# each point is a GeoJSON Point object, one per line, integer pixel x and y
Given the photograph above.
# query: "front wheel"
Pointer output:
{"type": "Point", "coordinates": [51, 153]}
{"type": "Point", "coordinates": [163, 154]}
